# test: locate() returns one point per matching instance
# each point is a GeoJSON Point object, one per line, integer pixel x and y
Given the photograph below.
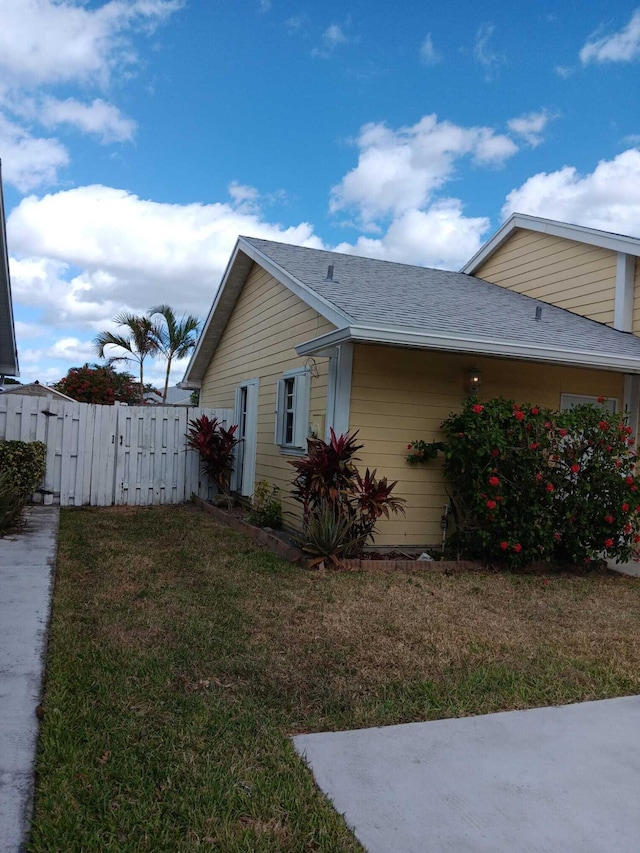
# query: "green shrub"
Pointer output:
{"type": "Point", "coordinates": [22, 467]}
{"type": "Point", "coordinates": [266, 509]}
{"type": "Point", "coordinates": [531, 484]}
{"type": "Point", "coordinates": [336, 499]}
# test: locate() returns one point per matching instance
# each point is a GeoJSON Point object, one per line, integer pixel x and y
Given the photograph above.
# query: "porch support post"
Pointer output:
{"type": "Point", "coordinates": [632, 400]}
{"type": "Point", "coordinates": [339, 389]}
{"type": "Point", "coordinates": [623, 303]}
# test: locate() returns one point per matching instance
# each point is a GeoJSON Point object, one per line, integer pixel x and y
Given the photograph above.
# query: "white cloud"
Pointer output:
{"type": "Point", "coordinates": [82, 255]}
{"type": "Point", "coordinates": [48, 43]}
{"type": "Point", "coordinates": [399, 170]}
{"type": "Point", "coordinates": [28, 161]}
{"type": "Point", "coordinates": [623, 46]}
{"type": "Point", "coordinates": [484, 52]}
{"type": "Point", "coordinates": [98, 118]}
{"type": "Point", "coordinates": [530, 126]}
{"type": "Point", "coordinates": [607, 198]}
{"type": "Point", "coordinates": [332, 38]}
{"type": "Point", "coordinates": [58, 41]}
{"type": "Point", "coordinates": [438, 237]}
{"type": "Point", "coordinates": [428, 53]}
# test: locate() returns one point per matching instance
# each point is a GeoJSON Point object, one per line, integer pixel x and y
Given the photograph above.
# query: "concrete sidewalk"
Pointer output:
{"type": "Point", "coordinates": [27, 562]}
{"type": "Point", "coordinates": [547, 780]}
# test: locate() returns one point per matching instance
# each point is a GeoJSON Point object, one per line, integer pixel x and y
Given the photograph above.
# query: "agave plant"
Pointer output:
{"type": "Point", "coordinates": [340, 507]}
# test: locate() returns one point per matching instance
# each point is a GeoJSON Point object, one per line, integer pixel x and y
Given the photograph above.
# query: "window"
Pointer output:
{"type": "Point", "coordinates": [292, 413]}
{"type": "Point", "coordinates": [568, 401]}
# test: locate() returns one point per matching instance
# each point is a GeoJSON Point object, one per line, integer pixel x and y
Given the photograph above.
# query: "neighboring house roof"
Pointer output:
{"type": "Point", "coordinates": [35, 389]}
{"type": "Point", "coordinates": [579, 233]}
{"type": "Point", "coordinates": [8, 348]}
{"type": "Point", "coordinates": [382, 302]}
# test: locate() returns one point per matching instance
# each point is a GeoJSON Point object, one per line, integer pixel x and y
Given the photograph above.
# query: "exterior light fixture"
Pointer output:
{"type": "Point", "coordinates": [474, 380]}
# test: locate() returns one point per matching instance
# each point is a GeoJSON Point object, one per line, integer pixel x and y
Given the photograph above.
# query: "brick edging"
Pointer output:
{"type": "Point", "coordinates": [295, 555]}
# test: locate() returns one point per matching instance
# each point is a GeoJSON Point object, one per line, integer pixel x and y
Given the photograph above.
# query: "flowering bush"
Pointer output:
{"type": "Point", "coordinates": [420, 451]}
{"type": "Point", "coordinates": [100, 384]}
{"type": "Point", "coordinates": [531, 484]}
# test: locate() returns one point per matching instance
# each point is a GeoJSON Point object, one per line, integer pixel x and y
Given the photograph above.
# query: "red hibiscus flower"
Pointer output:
{"type": "Point", "coordinates": [575, 468]}
{"type": "Point", "coordinates": [535, 411]}
{"type": "Point", "coordinates": [601, 399]}
{"type": "Point", "coordinates": [608, 543]}
{"type": "Point", "coordinates": [491, 504]}
{"type": "Point", "coordinates": [494, 481]}
{"type": "Point", "coordinates": [608, 519]}
{"type": "Point", "coordinates": [504, 545]}
{"type": "Point", "coordinates": [557, 536]}
{"type": "Point", "coordinates": [518, 415]}
{"type": "Point", "coordinates": [547, 424]}
{"type": "Point", "coordinates": [539, 477]}
{"type": "Point", "coordinates": [534, 445]}
{"type": "Point", "coordinates": [495, 452]}
{"type": "Point", "coordinates": [625, 507]}
{"type": "Point", "coordinates": [517, 547]}
{"type": "Point", "coordinates": [629, 480]}
{"type": "Point", "coordinates": [562, 432]}
{"type": "Point", "coordinates": [477, 409]}
{"type": "Point", "coordinates": [604, 425]}
{"type": "Point", "coordinates": [550, 487]}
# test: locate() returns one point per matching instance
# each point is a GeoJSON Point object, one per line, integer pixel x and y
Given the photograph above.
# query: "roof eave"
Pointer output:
{"type": "Point", "coordinates": [10, 366]}
{"type": "Point", "coordinates": [232, 282]}
{"type": "Point", "coordinates": [414, 339]}
{"type": "Point", "coordinates": [579, 233]}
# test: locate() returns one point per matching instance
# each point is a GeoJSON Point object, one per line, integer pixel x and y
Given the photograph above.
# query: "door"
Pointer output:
{"type": "Point", "coordinates": [245, 415]}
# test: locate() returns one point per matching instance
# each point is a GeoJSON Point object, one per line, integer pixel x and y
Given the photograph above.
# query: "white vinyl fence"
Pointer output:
{"type": "Point", "coordinates": [110, 455]}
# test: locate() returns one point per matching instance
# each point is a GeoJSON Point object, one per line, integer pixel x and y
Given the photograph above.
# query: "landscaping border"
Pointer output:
{"type": "Point", "coordinates": [295, 555]}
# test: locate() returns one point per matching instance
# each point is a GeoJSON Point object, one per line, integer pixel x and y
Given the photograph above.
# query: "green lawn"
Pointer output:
{"type": "Point", "coordinates": [182, 657]}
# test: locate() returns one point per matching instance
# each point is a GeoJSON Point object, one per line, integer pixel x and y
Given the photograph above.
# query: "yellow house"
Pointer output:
{"type": "Point", "coordinates": [300, 340]}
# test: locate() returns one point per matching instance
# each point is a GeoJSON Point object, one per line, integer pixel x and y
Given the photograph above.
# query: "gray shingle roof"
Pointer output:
{"type": "Point", "coordinates": [374, 293]}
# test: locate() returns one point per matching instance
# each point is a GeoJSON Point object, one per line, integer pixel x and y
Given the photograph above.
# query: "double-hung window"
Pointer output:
{"type": "Point", "coordinates": [292, 413]}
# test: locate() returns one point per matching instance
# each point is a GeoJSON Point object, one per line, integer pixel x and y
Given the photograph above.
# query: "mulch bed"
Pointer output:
{"type": "Point", "coordinates": [376, 561]}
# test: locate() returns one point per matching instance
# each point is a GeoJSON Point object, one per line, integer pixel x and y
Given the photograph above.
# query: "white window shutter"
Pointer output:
{"type": "Point", "coordinates": [301, 422]}
{"type": "Point", "coordinates": [280, 404]}
{"type": "Point", "coordinates": [237, 414]}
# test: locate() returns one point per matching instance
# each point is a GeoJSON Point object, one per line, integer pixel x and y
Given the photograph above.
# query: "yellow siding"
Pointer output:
{"type": "Point", "coordinates": [636, 300]}
{"type": "Point", "coordinates": [267, 323]}
{"type": "Point", "coordinates": [398, 396]}
{"type": "Point", "coordinates": [571, 275]}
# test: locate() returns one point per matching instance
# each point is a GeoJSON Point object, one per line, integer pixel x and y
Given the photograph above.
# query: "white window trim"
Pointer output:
{"type": "Point", "coordinates": [567, 401]}
{"type": "Point", "coordinates": [301, 392]}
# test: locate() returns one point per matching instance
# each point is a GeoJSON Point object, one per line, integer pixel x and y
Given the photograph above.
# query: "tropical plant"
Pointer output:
{"type": "Point", "coordinates": [215, 445]}
{"type": "Point", "coordinates": [100, 384]}
{"type": "Point", "coordinates": [138, 343]}
{"type": "Point", "coordinates": [175, 338]}
{"type": "Point", "coordinates": [532, 484]}
{"type": "Point", "coordinates": [340, 507]}
{"type": "Point", "coordinates": [266, 509]}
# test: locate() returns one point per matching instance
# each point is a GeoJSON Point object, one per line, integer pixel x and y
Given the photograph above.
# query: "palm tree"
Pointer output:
{"type": "Point", "coordinates": [174, 338]}
{"type": "Point", "coordinates": [140, 341]}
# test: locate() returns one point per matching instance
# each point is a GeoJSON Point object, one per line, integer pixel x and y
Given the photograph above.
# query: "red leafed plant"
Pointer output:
{"type": "Point", "coordinates": [340, 507]}
{"type": "Point", "coordinates": [215, 444]}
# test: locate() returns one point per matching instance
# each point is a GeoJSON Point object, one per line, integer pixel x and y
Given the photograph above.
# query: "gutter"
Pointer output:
{"type": "Point", "coordinates": [477, 346]}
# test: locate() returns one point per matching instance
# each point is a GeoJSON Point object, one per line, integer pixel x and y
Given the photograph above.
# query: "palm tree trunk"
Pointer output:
{"type": "Point", "coordinates": [166, 380]}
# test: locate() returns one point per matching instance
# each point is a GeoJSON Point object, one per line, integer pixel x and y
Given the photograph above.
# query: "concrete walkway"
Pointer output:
{"type": "Point", "coordinates": [27, 565]}
{"type": "Point", "coordinates": [547, 780]}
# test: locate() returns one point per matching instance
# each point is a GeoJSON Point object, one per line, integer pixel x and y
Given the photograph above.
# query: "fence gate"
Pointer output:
{"type": "Point", "coordinates": [106, 455]}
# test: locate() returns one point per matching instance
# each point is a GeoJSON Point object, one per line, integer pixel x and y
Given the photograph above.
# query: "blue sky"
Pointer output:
{"type": "Point", "coordinates": [138, 138]}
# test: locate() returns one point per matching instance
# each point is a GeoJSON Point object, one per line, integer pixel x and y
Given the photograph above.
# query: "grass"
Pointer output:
{"type": "Point", "coordinates": [182, 658]}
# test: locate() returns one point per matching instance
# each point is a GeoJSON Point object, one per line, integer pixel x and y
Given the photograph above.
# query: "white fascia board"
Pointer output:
{"type": "Point", "coordinates": [578, 233]}
{"type": "Point", "coordinates": [244, 246]}
{"type": "Point", "coordinates": [327, 309]}
{"type": "Point", "coordinates": [477, 346]}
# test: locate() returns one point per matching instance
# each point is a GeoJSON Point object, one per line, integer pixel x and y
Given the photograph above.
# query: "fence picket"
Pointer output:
{"type": "Point", "coordinates": [105, 455]}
